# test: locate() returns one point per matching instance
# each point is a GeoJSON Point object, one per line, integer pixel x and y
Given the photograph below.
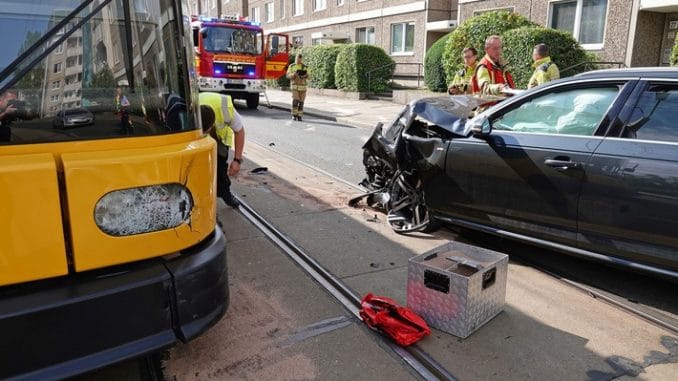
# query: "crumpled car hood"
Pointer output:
{"type": "Point", "coordinates": [449, 112]}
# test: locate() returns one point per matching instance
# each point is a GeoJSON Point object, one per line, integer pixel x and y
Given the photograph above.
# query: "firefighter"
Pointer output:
{"type": "Point", "coordinates": [227, 129]}
{"type": "Point", "coordinates": [461, 84]}
{"type": "Point", "coordinates": [492, 76]}
{"type": "Point", "coordinates": [298, 74]}
{"type": "Point", "coordinates": [544, 69]}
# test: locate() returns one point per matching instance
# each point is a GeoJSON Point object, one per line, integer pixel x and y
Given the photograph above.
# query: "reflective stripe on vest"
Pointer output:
{"type": "Point", "coordinates": [497, 75]}
{"type": "Point", "coordinates": [222, 123]}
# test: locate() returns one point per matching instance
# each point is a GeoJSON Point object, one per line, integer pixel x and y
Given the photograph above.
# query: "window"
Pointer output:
{"type": "Point", "coordinates": [319, 5]}
{"type": "Point", "coordinates": [652, 118]}
{"type": "Point", "coordinates": [256, 17]}
{"type": "Point", "coordinates": [570, 112]}
{"type": "Point", "coordinates": [56, 84]}
{"type": "Point", "coordinates": [59, 49]}
{"type": "Point", "coordinates": [54, 98]}
{"type": "Point", "coordinates": [340, 2]}
{"type": "Point", "coordinates": [57, 67]}
{"type": "Point", "coordinates": [297, 7]}
{"type": "Point", "coordinates": [365, 35]}
{"type": "Point", "coordinates": [316, 41]}
{"type": "Point", "coordinates": [297, 41]}
{"type": "Point", "coordinates": [402, 38]}
{"type": "Point", "coordinates": [585, 19]}
{"type": "Point", "coordinates": [282, 9]}
{"type": "Point", "coordinates": [269, 12]}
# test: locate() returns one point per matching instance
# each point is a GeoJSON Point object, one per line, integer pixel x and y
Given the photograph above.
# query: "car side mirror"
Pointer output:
{"type": "Point", "coordinates": [481, 127]}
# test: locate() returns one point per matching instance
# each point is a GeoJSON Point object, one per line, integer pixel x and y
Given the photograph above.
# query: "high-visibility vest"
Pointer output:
{"type": "Point", "coordinates": [498, 75]}
{"type": "Point", "coordinates": [222, 123]}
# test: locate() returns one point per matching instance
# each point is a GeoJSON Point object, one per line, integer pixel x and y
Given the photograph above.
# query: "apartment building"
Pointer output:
{"type": "Point", "coordinates": [635, 32]}
{"type": "Point", "coordinates": [63, 72]}
{"type": "Point", "coordinates": [405, 29]}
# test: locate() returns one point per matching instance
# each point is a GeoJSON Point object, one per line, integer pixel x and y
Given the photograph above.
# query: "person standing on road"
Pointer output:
{"type": "Point", "coordinates": [298, 74]}
{"type": "Point", "coordinates": [492, 76]}
{"type": "Point", "coordinates": [544, 69]}
{"type": "Point", "coordinates": [461, 84]}
{"type": "Point", "coordinates": [221, 121]}
{"type": "Point", "coordinates": [122, 109]}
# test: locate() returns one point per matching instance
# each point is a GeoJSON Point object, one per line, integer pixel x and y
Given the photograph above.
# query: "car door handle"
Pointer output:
{"type": "Point", "coordinates": [562, 165]}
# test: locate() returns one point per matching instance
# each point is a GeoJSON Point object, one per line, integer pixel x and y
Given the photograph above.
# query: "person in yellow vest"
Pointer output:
{"type": "Point", "coordinates": [544, 69]}
{"type": "Point", "coordinates": [298, 74]}
{"type": "Point", "coordinates": [461, 84]}
{"type": "Point", "coordinates": [222, 122]}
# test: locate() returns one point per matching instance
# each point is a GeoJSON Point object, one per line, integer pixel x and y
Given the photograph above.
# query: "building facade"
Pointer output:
{"type": "Point", "coordinates": [405, 29]}
{"type": "Point", "coordinates": [633, 32]}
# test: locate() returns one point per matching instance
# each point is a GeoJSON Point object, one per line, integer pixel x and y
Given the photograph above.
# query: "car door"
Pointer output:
{"type": "Point", "coordinates": [629, 205]}
{"type": "Point", "coordinates": [526, 176]}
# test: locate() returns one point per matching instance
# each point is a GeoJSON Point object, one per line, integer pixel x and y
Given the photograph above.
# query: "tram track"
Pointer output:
{"type": "Point", "coordinates": [421, 362]}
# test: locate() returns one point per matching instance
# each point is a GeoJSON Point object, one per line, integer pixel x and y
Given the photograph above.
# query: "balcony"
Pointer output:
{"type": "Point", "coordinates": [76, 69]}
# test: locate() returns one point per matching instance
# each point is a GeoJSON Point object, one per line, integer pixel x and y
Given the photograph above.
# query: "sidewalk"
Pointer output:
{"type": "Point", "coordinates": [359, 113]}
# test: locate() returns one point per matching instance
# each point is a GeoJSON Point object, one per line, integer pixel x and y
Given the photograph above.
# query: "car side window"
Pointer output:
{"type": "Point", "coordinates": [569, 112]}
{"type": "Point", "coordinates": [652, 118]}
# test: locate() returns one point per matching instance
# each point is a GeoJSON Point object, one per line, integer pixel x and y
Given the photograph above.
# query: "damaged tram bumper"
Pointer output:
{"type": "Point", "coordinates": [61, 327]}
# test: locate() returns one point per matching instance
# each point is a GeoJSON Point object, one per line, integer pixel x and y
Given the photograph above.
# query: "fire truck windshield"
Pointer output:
{"type": "Point", "coordinates": [232, 40]}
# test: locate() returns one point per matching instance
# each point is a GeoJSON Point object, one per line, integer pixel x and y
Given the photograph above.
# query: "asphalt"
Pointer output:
{"type": "Point", "coordinates": [365, 113]}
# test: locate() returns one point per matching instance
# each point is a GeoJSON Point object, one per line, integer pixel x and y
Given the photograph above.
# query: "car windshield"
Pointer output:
{"type": "Point", "coordinates": [76, 112]}
{"type": "Point", "coordinates": [232, 40]}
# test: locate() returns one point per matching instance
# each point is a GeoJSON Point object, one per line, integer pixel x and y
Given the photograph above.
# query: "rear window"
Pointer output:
{"type": "Point", "coordinates": [59, 61]}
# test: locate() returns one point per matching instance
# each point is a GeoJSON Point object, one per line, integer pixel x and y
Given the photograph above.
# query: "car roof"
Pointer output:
{"type": "Point", "coordinates": [654, 72]}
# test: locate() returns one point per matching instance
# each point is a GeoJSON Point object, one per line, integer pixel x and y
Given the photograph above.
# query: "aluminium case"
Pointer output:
{"type": "Point", "coordinates": [456, 287]}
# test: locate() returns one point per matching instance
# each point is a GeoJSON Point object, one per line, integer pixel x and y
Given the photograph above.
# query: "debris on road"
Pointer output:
{"type": "Point", "coordinates": [400, 323]}
{"type": "Point", "coordinates": [259, 170]}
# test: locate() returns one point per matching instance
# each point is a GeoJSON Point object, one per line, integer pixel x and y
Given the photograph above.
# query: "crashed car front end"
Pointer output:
{"type": "Point", "coordinates": [406, 157]}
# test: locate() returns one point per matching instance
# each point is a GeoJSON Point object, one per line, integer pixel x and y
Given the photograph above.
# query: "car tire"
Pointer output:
{"type": "Point", "coordinates": [253, 101]}
{"type": "Point", "coordinates": [406, 211]}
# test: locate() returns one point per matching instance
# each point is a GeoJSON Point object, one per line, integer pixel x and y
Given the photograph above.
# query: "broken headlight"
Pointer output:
{"type": "Point", "coordinates": [143, 209]}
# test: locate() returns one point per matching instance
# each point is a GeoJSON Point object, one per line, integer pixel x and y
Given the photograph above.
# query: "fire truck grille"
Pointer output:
{"type": "Point", "coordinates": [234, 68]}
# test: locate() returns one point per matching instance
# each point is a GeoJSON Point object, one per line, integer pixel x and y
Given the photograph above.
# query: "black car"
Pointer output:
{"type": "Point", "coordinates": [586, 165]}
{"type": "Point", "coordinates": [75, 117]}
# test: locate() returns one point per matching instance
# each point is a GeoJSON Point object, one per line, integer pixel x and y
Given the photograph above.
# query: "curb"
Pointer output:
{"type": "Point", "coordinates": [320, 115]}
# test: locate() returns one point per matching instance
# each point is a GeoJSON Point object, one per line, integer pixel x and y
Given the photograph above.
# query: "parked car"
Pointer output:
{"type": "Point", "coordinates": [586, 165]}
{"type": "Point", "coordinates": [75, 117]}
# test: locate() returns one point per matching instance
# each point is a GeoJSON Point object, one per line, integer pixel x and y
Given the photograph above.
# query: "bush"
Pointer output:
{"type": "Point", "coordinates": [434, 72]}
{"type": "Point", "coordinates": [355, 61]}
{"type": "Point", "coordinates": [565, 51]}
{"type": "Point", "coordinates": [674, 53]}
{"type": "Point", "coordinates": [474, 31]}
{"type": "Point", "coordinates": [321, 60]}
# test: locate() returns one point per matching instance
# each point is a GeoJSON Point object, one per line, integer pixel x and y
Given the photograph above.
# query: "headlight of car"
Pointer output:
{"type": "Point", "coordinates": [143, 209]}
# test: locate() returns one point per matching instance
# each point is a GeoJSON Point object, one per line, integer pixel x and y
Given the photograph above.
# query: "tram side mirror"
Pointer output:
{"type": "Point", "coordinates": [481, 127]}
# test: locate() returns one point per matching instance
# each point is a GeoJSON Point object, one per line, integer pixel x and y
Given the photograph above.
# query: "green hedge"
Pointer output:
{"type": "Point", "coordinates": [434, 72]}
{"type": "Point", "coordinates": [354, 61]}
{"type": "Point", "coordinates": [321, 59]}
{"type": "Point", "coordinates": [518, 45]}
{"type": "Point", "coordinates": [474, 31]}
{"type": "Point", "coordinates": [674, 53]}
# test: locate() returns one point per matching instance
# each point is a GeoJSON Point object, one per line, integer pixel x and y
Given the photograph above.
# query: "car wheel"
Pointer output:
{"type": "Point", "coordinates": [253, 101]}
{"type": "Point", "coordinates": [406, 212]}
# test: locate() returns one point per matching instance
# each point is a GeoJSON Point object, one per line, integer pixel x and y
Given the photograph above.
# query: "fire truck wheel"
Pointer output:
{"type": "Point", "coordinates": [253, 101]}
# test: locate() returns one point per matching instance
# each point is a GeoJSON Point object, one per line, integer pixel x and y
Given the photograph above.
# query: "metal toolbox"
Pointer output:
{"type": "Point", "coordinates": [456, 287]}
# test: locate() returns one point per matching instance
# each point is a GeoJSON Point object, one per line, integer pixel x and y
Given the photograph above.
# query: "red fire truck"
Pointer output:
{"type": "Point", "coordinates": [234, 57]}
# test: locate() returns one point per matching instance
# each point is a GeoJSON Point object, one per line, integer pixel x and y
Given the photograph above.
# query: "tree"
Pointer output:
{"type": "Point", "coordinates": [103, 79]}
